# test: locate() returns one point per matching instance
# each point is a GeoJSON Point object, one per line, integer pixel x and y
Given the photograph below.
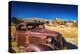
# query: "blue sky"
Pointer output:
{"type": "Point", "coordinates": [41, 10]}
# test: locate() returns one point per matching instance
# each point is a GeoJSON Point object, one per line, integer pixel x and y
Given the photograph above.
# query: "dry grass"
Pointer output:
{"type": "Point", "coordinates": [69, 33]}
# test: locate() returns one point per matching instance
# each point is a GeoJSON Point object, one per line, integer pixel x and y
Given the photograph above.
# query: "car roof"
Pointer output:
{"type": "Point", "coordinates": [34, 23]}
{"type": "Point", "coordinates": [31, 23]}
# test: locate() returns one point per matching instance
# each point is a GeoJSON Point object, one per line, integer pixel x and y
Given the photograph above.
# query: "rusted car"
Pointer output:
{"type": "Point", "coordinates": [34, 33]}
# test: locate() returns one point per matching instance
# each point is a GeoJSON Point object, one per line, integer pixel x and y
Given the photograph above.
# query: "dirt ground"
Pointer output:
{"type": "Point", "coordinates": [69, 33]}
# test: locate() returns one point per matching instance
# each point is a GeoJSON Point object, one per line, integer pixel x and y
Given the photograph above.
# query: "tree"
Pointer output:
{"type": "Point", "coordinates": [16, 20]}
{"type": "Point", "coordinates": [13, 20]}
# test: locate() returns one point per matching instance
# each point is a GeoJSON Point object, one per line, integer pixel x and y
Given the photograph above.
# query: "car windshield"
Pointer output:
{"type": "Point", "coordinates": [35, 27]}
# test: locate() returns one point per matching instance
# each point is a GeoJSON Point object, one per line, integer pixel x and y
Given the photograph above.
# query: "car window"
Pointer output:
{"type": "Point", "coordinates": [22, 28]}
{"type": "Point", "coordinates": [34, 26]}
{"type": "Point", "coordinates": [41, 26]}
{"type": "Point", "coordinates": [29, 27]}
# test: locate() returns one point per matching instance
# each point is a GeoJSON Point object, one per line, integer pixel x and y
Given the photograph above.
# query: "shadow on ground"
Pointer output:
{"type": "Point", "coordinates": [71, 46]}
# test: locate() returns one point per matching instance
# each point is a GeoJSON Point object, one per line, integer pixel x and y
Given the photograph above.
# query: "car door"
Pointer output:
{"type": "Point", "coordinates": [20, 35]}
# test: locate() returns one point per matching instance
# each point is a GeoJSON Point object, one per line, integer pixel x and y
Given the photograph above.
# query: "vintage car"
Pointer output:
{"type": "Point", "coordinates": [29, 34]}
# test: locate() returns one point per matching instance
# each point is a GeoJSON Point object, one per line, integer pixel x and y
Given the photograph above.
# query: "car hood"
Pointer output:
{"type": "Point", "coordinates": [43, 32]}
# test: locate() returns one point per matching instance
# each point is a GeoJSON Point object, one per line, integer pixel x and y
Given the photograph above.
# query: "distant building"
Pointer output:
{"type": "Point", "coordinates": [57, 21]}
{"type": "Point", "coordinates": [69, 23]}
